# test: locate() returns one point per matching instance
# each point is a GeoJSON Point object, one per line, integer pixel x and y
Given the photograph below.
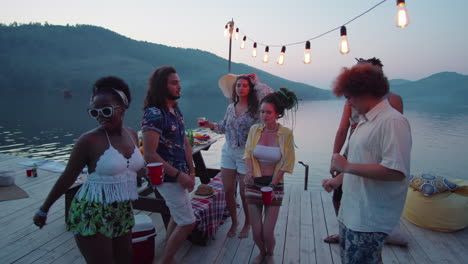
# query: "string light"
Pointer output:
{"type": "Point", "coordinates": [344, 46]}
{"type": "Point", "coordinates": [254, 51]}
{"type": "Point", "coordinates": [236, 36]}
{"type": "Point", "coordinates": [243, 42]}
{"type": "Point", "coordinates": [402, 21]}
{"type": "Point", "coordinates": [225, 30]}
{"type": "Point", "coordinates": [265, 56]}
{"type": "Point", "coordinates": [307, 57]}
{"type": "Point", "coordinates": [402, 18]}
{"type": "Point", "coordinates": [280, 60]}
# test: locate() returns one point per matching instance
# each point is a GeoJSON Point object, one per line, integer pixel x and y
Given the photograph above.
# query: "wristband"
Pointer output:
{"type": "Point", "coordinates": [177, 175]}
{"type": "Point", "coordinates": [41, 213]}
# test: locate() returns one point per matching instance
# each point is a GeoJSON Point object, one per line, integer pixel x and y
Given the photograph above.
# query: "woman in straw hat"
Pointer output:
{"type": "Point", "coordinates": [241, 114]}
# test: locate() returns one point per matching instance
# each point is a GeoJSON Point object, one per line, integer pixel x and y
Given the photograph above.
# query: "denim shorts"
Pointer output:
{"type": "Point", "coordinates": [178, 201]}
{"type": "Point", "coordinates": [232, 159]}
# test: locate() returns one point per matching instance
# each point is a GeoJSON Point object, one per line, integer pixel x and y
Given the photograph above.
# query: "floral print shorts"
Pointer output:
{"type": "Point", "coordinates": [91, 218]}
{"type": "Point", "coordinates": [360, 247]}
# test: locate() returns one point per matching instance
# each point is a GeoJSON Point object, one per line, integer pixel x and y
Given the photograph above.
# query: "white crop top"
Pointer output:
{"type": "Point", "coordinates": [267, 154]}
{"type": "Point", "coordinates": [114, 179]}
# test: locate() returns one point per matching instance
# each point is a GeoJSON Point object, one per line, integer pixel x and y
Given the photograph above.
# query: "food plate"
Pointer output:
{"type": "Point", "coordinates": [201, 137]}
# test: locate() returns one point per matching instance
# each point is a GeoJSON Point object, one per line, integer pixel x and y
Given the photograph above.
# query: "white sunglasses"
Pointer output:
{"type": "Point", "coordinates": [107, 111]}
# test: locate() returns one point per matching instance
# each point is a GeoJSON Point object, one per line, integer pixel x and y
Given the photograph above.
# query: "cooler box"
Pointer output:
{"type": "Point", "coordinates": [143, 234]}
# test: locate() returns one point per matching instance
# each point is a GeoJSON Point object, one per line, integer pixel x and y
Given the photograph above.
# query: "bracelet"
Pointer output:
{"type": "Point", "coordinates": [41, 213]}
{"type": "Point", "coordinates": [192, 174]}
{"type": "Point", "coordinates": [177, 175]}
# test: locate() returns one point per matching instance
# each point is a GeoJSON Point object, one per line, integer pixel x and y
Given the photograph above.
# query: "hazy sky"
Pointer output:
{"type": "Point", "coordinates": [435, 40]}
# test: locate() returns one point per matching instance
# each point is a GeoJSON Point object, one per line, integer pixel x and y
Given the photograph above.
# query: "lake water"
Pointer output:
{"type": "Point", "coordinates": [48, 129]}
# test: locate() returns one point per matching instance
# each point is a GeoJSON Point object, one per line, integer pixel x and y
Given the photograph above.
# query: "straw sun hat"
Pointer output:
{"type": "Point", "coordinates": [203, 191]}
{"type": "Point", "coordinates": [226, 84]}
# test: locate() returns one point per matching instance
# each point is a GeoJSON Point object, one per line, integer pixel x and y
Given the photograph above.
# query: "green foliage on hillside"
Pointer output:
{"type": "Point", "coordinates": [443, 87]}
{"type": "Point", "coordinates": [50, 59]}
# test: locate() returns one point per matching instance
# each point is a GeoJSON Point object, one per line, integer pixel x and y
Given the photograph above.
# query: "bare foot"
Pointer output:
{"type": "Point", "coordinates": [232, 231]}
{"type": "Point", "coordinates": [269, 259]}
{"type": "Point", "coordinates": [332, 239]}
{"type": "Point", "coordinates": [244, 232]}
{"type": "Point", "coordinates": [258, 259]}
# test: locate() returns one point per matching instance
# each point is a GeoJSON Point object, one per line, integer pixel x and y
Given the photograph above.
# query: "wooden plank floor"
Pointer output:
{"type": "Point", "coordinates": [305, 219]}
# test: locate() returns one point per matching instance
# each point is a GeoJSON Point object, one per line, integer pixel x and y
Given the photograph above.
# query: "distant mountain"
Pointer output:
{"type": "Point", "coordinates": [56, 59]}
{"type": "Point", "coordinates": [443, 87]}
{"type": "Point", "coordinates": [398, 81]}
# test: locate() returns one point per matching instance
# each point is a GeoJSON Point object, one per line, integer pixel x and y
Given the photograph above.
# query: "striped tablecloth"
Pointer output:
{"type": "Point", "coordinates": [209, 212]}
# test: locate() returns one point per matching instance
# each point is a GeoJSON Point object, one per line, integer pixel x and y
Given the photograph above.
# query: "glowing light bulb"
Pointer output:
{"type": "Point", "coordinates": [254, 51]}
{"type": "Point", "coordinates": [265, 56]}
{"type": "Point", "coordinates": [307, 57]}
{"type": "Point", "coordinates": [243, 42]}
{"type": "Point", "coordinates": [344, 46]}
{"type": "Point", "coordinates": [280, 60]}
{"type": "Point", "coordinates": [236, 36]}
{"type": "Point", "coordinates": [226, 30]}
{"type": "Point", "coordinates": [402, 18]}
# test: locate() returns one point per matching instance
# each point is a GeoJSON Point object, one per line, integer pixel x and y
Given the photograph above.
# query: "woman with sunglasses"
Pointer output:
{"type": "Point", "coordinates": [101, 215]}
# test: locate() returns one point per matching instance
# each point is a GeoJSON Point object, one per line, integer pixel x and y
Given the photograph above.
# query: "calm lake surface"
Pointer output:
{"type": "Point", "coordinates": [48, 129]}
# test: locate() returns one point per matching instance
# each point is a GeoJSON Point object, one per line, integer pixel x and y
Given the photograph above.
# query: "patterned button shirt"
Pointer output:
{"type": "Point", "coordinates": [236, 128]}
{"type": "Point", "coordinates": [172, 136]}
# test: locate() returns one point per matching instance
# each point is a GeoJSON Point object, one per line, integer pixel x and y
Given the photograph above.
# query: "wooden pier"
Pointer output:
{"type": "Point", "coordinates": [306, 217]}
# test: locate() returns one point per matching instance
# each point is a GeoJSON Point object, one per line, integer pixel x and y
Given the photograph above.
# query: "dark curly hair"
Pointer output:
{"type": "Point", "coordinates": [105, 85]}
{"type": "Point", "coordinates": [374, 61]}
{"type": "Point", "coordinates": [282, 100]}
{"type": "Point", "coordinates": [361, 79]}
{"type": "Point", "coordinates": [157, 87]}
{"type": "Point", "coordinates": [252, 99]}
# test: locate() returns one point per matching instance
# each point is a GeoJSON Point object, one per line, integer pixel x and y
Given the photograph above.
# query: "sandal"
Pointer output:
{"type": "Point", "coordinates": [332, 239]}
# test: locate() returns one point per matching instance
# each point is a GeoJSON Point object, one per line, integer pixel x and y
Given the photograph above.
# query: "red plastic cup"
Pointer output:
{"type": "Point", "coordinates": [267, 195]}
{"type": "Point", "coordinates": [155, 172]}
{"type": "Point", "coordinates": [201, 121]}
{"type": "Point", "coordinates": [29, 172]}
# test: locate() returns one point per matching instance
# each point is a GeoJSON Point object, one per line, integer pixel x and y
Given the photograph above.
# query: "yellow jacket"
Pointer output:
{"type": "Point", "coordinates": [286, 143]}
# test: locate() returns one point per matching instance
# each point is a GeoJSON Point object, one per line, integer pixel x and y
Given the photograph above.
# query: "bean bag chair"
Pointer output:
{"type": "Point", "coordinates": [445, 211]}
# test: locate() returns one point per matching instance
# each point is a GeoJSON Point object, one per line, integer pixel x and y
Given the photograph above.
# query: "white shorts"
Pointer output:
{"type": "Point", "coordinates": [232, 159]}
{"type": "Point", "coordinates": [179, 203]}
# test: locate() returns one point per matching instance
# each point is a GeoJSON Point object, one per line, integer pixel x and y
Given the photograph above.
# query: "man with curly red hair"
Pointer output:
{"type": "Point", "coordinates": [375, 173]}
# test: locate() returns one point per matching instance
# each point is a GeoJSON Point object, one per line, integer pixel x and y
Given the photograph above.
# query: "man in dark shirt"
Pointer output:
{"type": "Point", "coordinates": [164, 140]}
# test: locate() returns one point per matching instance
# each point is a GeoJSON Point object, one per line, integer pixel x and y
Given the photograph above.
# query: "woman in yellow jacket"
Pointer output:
{"type": "Point", "coordinates": [269, 153]}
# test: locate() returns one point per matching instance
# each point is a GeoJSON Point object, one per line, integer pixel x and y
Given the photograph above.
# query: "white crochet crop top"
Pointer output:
{"type": "Point", "coordinates": [114, 179]}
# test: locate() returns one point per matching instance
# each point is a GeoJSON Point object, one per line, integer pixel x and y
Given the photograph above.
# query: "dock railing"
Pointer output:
{"type": "Point", "coordinates": [306, 174]}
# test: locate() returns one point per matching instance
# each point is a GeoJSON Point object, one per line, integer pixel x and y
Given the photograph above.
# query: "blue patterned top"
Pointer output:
{"type": "Point", "coordinates": [172, 136]}
{"type": "Point", "coordinates": [236, 128]}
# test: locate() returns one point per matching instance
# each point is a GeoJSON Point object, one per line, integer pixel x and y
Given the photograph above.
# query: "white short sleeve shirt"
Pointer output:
{"type": "Point", "coordinates": [383, 136]}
